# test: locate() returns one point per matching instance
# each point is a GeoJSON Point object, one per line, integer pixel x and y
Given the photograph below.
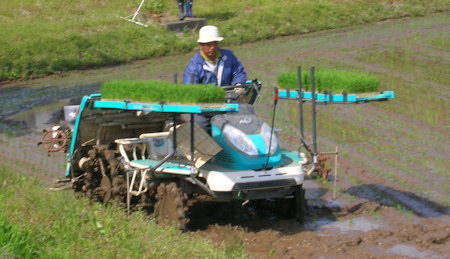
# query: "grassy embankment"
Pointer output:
{"type": "Point", "coordinates": [38, 223]}
{"type": "Point", "coordinates": [45, 37]}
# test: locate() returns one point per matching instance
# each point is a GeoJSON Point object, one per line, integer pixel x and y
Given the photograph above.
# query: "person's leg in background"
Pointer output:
{"type": "Point", "coordinates": [181, 8]}
{"type": "Point", "coordinates": [189, 4]}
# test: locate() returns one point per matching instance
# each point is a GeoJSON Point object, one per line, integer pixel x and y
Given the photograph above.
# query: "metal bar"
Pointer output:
{"type": "Point", "coordinates": [300, 104]}
{"type": "Point", "coordinates": [326, 153]}
{"type": "Point", "coordinates": [192, 144]}
{"type": "Point", "coordinates": [203, 186]}
{"type": "Point", "coordinates": [175, 78]}
{"type": "Point", "coordinates": [167, 108]}
{"type": "Point", "coordinates": [137, 11]}
{"type": "Point", "coordinates": [75, 130]}
{"type": "Point", "coordinates": [341, 98]}
{"type": "Point", "coordinates": [275, 101]}
{"type": "Point", "coordinates": [313, 99]}
{"type": "Point", "coordinates": [174, 145]}
{"type": "Point", "coordinates": [174, 132]}
{"type": "Point", "coordinates": [335, 172]}
{"type": "Point", "coordinates": [128, 192]}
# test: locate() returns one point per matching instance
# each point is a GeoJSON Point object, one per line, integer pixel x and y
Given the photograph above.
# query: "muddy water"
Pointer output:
{"type": "Point", "coordinates": [40, 118]}
{"type": "Point", "coordinates": [370, 217]}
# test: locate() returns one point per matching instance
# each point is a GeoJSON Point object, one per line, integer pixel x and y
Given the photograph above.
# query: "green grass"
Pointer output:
{"type": "Point", "coordinates": [38, 223]}
{"type": "Point", "coordinates": [156, 91]}
{"type": "Point", "coordinates": [332, 80]}
{"type": "Point", "coordinates": [15, 241]}
{"type": "Point", "coordinates": [43, 37]}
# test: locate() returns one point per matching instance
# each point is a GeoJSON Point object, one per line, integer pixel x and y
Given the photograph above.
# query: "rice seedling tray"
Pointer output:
{"type": "Point", "coordinates": [166, 107]}
{"type": "Point", "coordinates": [329, 97]}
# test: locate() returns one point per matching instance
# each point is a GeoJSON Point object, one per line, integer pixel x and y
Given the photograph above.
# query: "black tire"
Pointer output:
{"type": "Point", "coordinates": [171, 206]}
{"type": "Point", "coordinates": [301, 206]}
{"type": "Point", "coordinates": [295, 207]}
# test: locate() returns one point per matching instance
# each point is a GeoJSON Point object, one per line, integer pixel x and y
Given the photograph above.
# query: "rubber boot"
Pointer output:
{"type": "Point", "coordinates": [181, 8]}
{"type": "Point", "coordinates": [189, 8]}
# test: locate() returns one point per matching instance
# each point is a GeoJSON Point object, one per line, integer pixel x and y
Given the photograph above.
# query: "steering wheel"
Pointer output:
{"type": "Point", "coordinates": [243, 93]}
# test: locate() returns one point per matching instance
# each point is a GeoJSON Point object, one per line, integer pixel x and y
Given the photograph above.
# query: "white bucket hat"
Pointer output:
{"type": "Point", "coordinates": [209, 33]}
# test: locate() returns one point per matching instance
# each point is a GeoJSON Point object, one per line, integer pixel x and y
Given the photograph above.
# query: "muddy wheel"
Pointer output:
{"type": "Point", "coordinates": [301, 206]}
{"type": "Point", "coordinates": [171, 205]}
{"type": "Point", "coordinates": [102, 175]}
{"type": "Point", "coordinates": [293, 207]}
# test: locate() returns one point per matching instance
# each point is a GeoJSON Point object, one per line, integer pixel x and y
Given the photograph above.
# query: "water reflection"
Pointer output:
{"type": "Point", "coordinates": [42, 117]}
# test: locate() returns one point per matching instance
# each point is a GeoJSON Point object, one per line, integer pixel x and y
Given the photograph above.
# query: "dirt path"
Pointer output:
{"type": "Point", "coordinates": [393, 183]}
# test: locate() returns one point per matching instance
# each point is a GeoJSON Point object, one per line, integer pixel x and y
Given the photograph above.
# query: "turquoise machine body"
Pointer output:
{"type": "Point", "coordinates": [252, 126]}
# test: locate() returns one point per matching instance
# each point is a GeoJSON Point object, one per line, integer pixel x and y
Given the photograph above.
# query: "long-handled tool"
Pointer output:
{"type": "Point", "coordinates": [134, 16]}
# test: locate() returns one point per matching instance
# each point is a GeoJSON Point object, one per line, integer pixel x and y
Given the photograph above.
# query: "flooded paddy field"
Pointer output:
{"type": "Point", "coordinates": [391, 198]}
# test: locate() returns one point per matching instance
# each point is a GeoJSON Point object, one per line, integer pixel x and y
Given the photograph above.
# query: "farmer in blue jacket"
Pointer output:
{"type": "Point", "coordinates": [213, 65]}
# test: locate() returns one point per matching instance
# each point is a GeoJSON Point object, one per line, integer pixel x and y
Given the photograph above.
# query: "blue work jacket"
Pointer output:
{"type": "Point", "coordinates": [230, 70]}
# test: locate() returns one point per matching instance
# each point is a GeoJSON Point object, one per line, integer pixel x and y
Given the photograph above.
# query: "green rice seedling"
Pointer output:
{"type": "Point", "coordinates": [399, 207]}
{"type": "Point", "coordinates": [157, 91]}
{"type": "Point", "coordinates": [351, 223]}
{"type": "Point", "coordinates": [353, 180]}
{"type": "Point", "coordinates": [332, 80]}
{"type": "Point", "coordinates": [378, 218]}
{"type": "Point", "coordinates": [272, 252]}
